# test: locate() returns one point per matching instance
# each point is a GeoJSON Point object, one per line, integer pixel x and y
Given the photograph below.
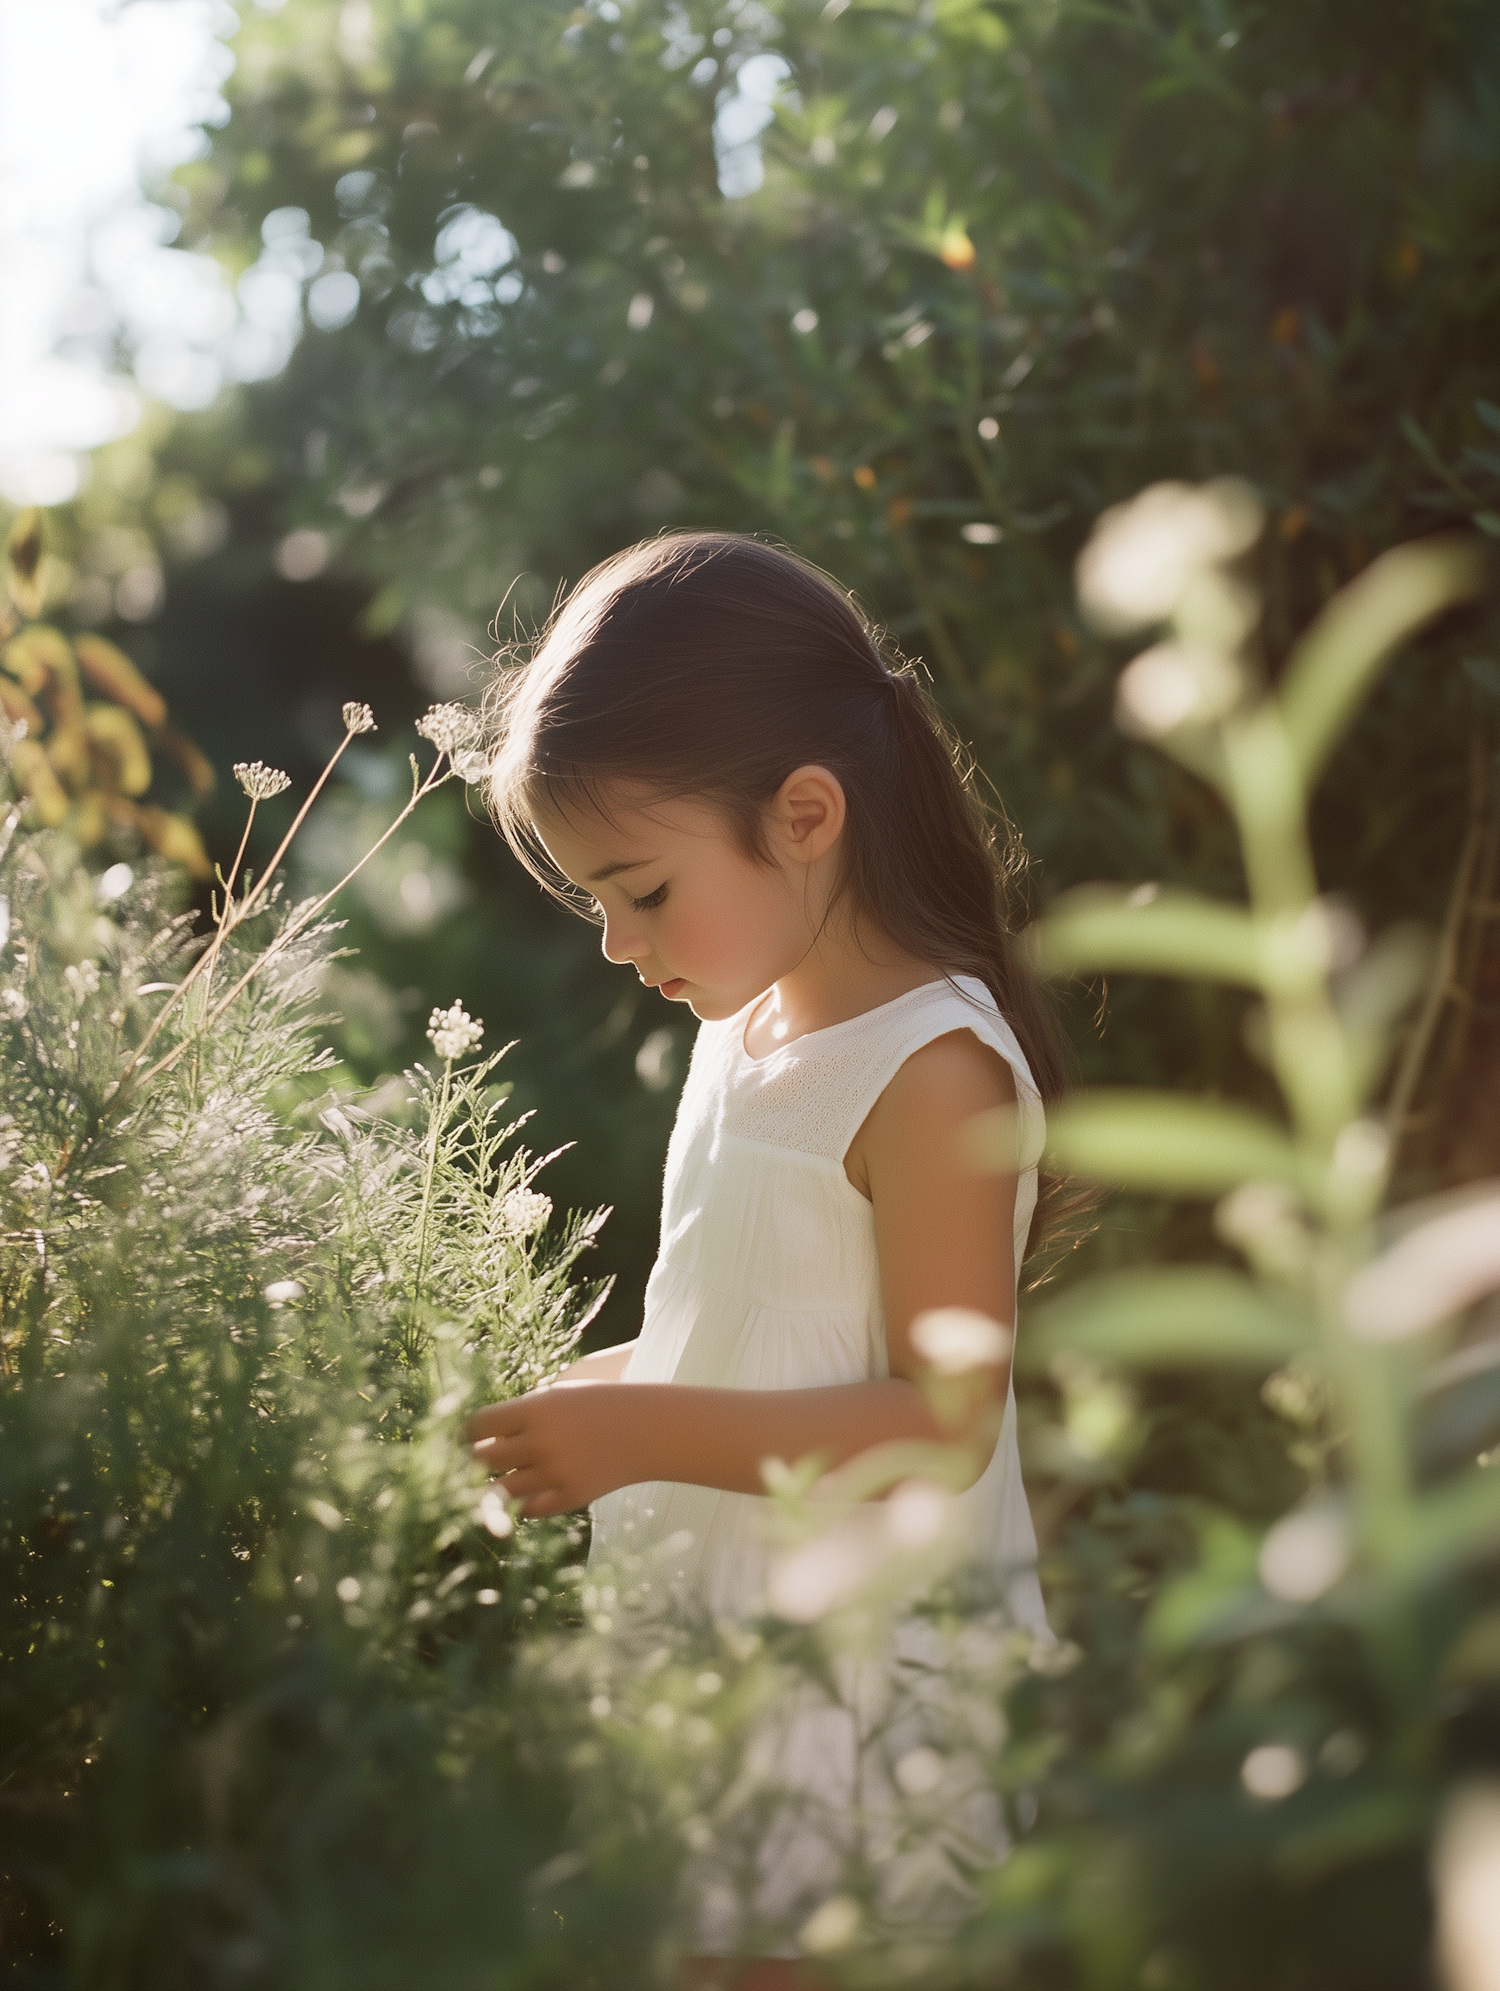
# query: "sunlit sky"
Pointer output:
{"type": "Point", "coordinates": [98, 99]}
{"type": "Point", "coordinates": [94, 94]}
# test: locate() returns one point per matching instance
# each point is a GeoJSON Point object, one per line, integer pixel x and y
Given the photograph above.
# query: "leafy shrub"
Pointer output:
{"type": "Point", "coordinates": [256, 1725]}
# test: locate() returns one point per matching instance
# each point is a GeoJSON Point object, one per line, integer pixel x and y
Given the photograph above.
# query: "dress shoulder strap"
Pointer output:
{"type": "Point", "coordinates": [936, 1011]}
{"type": "Point", "coordinates": [813, 1096]}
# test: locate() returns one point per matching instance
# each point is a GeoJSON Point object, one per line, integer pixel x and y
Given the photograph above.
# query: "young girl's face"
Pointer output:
{"type": "Point", "coordinates": [682, 903]}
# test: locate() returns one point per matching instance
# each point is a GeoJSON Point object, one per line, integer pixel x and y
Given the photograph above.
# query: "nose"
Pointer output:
{"type": "Point", "coordinates": [619, 943]}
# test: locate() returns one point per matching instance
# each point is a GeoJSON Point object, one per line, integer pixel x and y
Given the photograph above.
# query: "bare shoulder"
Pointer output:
{"type": "Point", "coordinates": [934, 1092]}
{"type": "Point", "coordinates": [955, 1072]}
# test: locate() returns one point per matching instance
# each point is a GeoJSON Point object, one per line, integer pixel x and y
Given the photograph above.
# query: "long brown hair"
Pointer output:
{"type": "Point", "coordinates": [709, 665]}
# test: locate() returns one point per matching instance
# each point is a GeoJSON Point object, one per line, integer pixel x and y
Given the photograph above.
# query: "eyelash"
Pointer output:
{"type": "Point", "coordinates": [651, 901]}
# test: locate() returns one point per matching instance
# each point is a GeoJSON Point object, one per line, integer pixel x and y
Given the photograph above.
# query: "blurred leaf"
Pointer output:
{"type": "Point", "coordinates": [1192, 1315]}
{"type": "Point", "coordinates": [1333, 665]}
{"type": "Point", "coordinates": [1183, 1147]}
{"type": "Point", "coordinates": [37, 658]}
{"type": "Point", "coordinates": [1488, 522]}
{"type": "Point", "coordinates": [24, 553]}
{"type": "Point", "coordinates": [117, 735]}
{"type": "Point", "coordinates": [1459, 1416]}
{"type": "Point", "coordinates": [1489, 414]}
{"type": "Point", "coordinates": [1452, 1525]}
{"type": "Point", "coordinates": [1483, 672]}
{"type": "Point", "coordinates": [1163, 932]}
{"type": "Point", "coordinates": [1374, 1823]}
{"type": "Point", "coordinates": [194, 764]}
{"type": "Point", "coordinates": [175, 838]}
{"type": "Point", "coordinates": [1218, 1587]}
{"type": "Point", "coordinates": [108, 669]}
{"type": "Point", "coordinates": [39, 782]}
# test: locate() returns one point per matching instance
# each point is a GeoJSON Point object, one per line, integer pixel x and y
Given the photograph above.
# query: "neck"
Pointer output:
{"type": "Point", "coordinates": [849, 968]}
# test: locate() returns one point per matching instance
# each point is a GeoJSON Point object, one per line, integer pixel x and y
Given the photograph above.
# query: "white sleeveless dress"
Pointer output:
{"type": "Point", "coordinates": [768, 1278]}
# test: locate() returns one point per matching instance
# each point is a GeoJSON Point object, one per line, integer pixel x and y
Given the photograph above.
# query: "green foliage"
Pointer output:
{"type": "Point", "coordinates": [257, 1720]}
{"type": "Point", "coordinates": [285, 1690]}
{"type": "Point", "coordinates": [1007, 264]}
{"type": "Point", "coordinates": [1241, 1777]}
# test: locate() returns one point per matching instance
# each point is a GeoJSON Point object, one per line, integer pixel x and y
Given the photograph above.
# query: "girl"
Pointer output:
{"type": "Point", "coordinates": [773, 829]}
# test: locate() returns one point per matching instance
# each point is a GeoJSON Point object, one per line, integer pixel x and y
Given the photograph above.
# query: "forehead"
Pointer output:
{"type": "Point", "coordinates": [622, 824]}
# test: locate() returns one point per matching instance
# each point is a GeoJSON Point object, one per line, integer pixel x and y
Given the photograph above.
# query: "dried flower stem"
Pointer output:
{"type": "Point", "coordinates": [225, 909]}
{"type": "Point", "coordinates": [420, 790]}
{"type": "Point", "coordinates": [434, 1135]}
{"type": "Point", "coordinates": [205, 962]}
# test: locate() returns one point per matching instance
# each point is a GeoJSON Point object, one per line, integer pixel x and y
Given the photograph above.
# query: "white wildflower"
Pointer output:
{"type": "Point", "coordinates": [955, 1340]}
{"type": "Point", "coordinates": [1175, 684]}
{"type": "Point", "coordinates": [1137, 565]}
{"type": "Point", "coordinates": [453, 1032]}
{"type": "Point", "coordinates": [492, 1513]}
{"type": "Point", "coordinates": [83, 979]}
{"type": "Point", "coordinates": [260, 782]}
{"type": "Point", "coordinates": [359, 718]}
{"type": "Point", "coordinates": [1273, 1771]}
{"type": "Point", "coordinates": [1306, 1553]}
{"type": "Point", "coordinates": [282, 1292]}
{"type": "Point", "coordinates": [525, 1211]}
{"type": "Point", "coordinates": [450, 728]}
{"type": "Point", "coordinates": [832, 1927]}
{"type": "Point", "coordinates": [12, 1004]}
{"type": "Point", "coordinates": [1467, 1878]}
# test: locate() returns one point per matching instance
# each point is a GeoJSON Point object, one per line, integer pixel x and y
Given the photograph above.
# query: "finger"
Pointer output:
{"type": "Point", "coordinates": [542, 1506]}
{"type": "Point", "coordinates": [495, 1420]}
{"type": "Point", "coordinates": [531, 1479]}
{"type": "Point", "coordinates": [504, 1455]}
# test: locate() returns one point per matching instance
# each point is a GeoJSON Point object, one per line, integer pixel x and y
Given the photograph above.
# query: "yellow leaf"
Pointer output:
{"type": "Point", "coordinates": [108, 669]}
{"type": "Point", "coordinates": [38, 781]}
{"type": "Point", "coordinates": [115, 733]}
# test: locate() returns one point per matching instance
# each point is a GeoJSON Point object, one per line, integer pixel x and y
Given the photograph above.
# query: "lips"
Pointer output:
{"type": "Point", "coordinates": [672, 988]}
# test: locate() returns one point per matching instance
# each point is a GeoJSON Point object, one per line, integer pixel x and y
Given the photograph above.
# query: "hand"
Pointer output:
{"type": "Point", "coordinates": [559, 1447]}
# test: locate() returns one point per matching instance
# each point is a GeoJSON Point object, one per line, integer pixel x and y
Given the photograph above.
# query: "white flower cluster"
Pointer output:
{"type": "Point", "coordinates": [1142, 556]}
{"type": "Point", "coordinates": [359, 718]}
{"type": "Point", "coordinates": [453, 1032]}
{"type": "Point", "coordinates": [450, 728]}
{"type": "Point", "coordinates": [260, 782]}
{"type": "Point", "coordinates": [83, 979]}
{"type": "Point", "coordinates": [525, 1211]}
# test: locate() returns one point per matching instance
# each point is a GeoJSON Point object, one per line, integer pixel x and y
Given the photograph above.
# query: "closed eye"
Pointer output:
{"type": "Point", "coordinates": [651, 901]}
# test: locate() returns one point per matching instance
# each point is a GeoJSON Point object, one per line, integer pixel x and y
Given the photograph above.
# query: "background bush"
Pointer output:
{"type": "Point", "coordinates": [1129, 241]}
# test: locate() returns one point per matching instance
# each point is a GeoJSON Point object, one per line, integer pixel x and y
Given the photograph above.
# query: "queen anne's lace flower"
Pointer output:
{"type": "Point", "coordinates": [450, 728]}
{"type": "Point", "coordinates": [525, 1211]}
{"type": "Point", "coordinates": [453, 1032]}
{"type": "Point", "coordinates": [260, 782]}
{"type": "Point", "coordinates": [83, 979]}
{"type": "Point", "coordinates": [359, 718]}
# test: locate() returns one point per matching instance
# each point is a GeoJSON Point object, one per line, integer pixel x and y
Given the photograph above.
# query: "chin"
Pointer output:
{"type": "Point", "coordinates": [711, 1008]}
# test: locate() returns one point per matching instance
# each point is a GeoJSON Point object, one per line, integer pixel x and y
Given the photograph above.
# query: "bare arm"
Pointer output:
{"type": "Point", "coordinates": [943, 1235]}
{"type": "Point", "coordinates": [603, 1366]}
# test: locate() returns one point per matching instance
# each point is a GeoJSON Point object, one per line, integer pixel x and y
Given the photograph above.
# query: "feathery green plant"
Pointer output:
{"type": "Point", "coordinates": [254, 1722]}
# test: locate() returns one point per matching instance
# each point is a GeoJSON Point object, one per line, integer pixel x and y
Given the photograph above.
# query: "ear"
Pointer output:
{"type": "Point", "coordinates": [807, 815]}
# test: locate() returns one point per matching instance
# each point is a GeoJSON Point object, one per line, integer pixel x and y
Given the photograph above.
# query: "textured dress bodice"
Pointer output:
{"type": "Point", "coordinates": [768, 1278]}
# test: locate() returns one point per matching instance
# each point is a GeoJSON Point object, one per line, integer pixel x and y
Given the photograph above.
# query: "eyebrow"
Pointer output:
{"type": "Point", "coordinates": [611, 870]}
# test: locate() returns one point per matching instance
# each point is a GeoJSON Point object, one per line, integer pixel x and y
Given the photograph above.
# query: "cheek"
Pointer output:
{"type": "Point", "coordinates": [736, 920]}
